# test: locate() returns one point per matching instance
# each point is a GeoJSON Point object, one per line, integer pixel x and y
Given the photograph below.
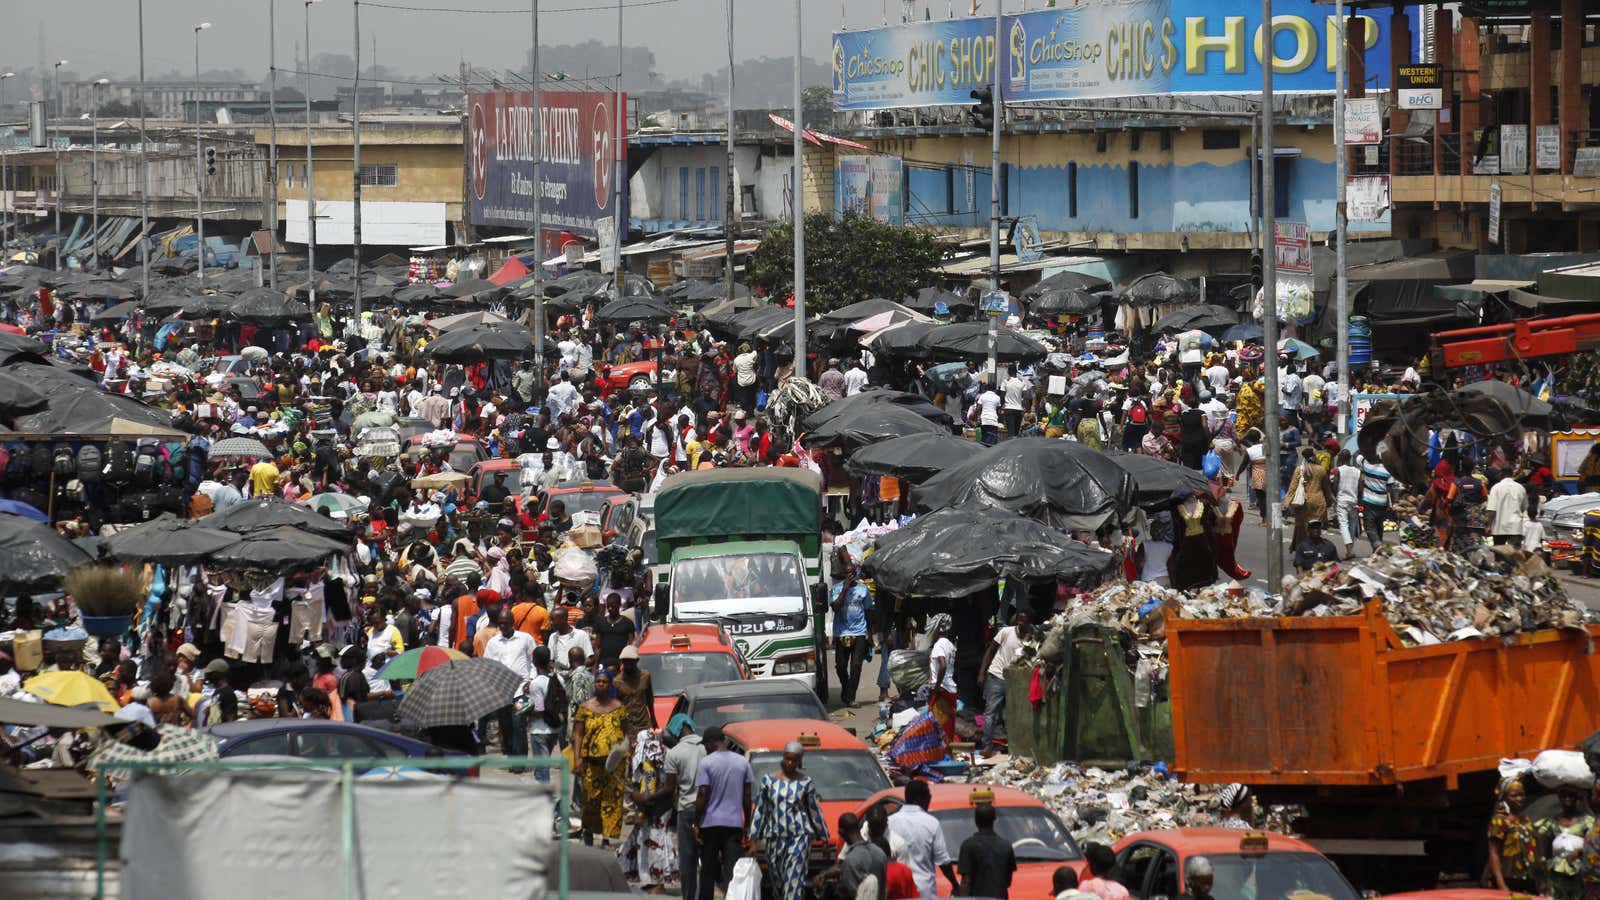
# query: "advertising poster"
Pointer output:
{"type": "Point", "coordinates": [1095, 49]}
{"type": "Point", "coordinates": [871, 186]}
{"type": "Point", "coordinates": [578, 140]}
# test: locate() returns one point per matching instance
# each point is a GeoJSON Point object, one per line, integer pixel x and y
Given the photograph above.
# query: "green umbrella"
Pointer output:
{"type": "Point", "coordinates": [338, 504]}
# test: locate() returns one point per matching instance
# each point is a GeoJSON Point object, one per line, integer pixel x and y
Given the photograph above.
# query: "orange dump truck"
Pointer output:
{"type": "Point", "coordinates": [1393, 750]}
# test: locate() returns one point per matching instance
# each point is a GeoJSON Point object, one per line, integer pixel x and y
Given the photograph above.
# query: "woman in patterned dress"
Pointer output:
{"type": "Point", "coordinates": [1513, 849]}
{"type": "Point", "coordinates": [1563, 862]}
{"type": "Point", "coordinates": [596, 733]}
{"type": "Point", "coordinates": [647, 855]}
{"type": "Point", "coordinates": [788, 818]}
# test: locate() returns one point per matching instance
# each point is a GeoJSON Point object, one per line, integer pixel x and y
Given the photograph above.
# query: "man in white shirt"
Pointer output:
{"type": "Point", "coordinates": [1507, 506]}
{"type": "Point", "coordinates": [1003, 650]}
{"type": "Point", "coordinates": [1016, 399]}
{"type": "Point", "coordinates": [1215, 410]}
{"type": "Point", "coordinates": [514, 650]}
{"type": "Point", "coordinates": [563, 637]}
{"type": "Point", "coordinates": [1289, 392]}
{"type": "Point", "coordinates": [926, 851]}
{"type": "Point", "coordinates": [744, 376]}
{"type": "Point", "coordinates": [855, 378]}
{"type": "Point", "coordinates": [988, 404]}
{"type": "Point", "coordinates": [562, 398]}
{"type": "Point", "coordinates": [1218, 376]}
{"type": "Point", "coordinates": [542, 737]}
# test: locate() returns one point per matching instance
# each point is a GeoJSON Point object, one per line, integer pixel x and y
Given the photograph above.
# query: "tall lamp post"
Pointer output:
{"type": "Point", "coordinates": [55, 76]}
{"type": "Point", "coordinates": [272, 143]}
{"type": "Point", "coordinates": [144, 189]}
{"type": "Point", "coordinates": [5, 178]}
{"type": "Point", "coordinates": [94, 170]}
{"type": "Point", "coordinates": [199, 163]}
{"type": "Point", "coordinates": [311, 184]}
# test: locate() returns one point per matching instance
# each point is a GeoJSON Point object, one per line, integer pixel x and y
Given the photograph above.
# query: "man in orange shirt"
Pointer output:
{"type": "Point", "coordinates": [531, 618]}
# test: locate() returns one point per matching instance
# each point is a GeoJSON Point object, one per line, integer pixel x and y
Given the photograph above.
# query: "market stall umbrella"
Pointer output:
{"type": "Point", "coordinates": [1159, 288]}
{"type": "Point", "coordinates": [167, 540]}
{"type": "Point", "coordinates": [21, 712]}
{"type": "Point", "coordinates": [903, 338]}
{"type": "Point", "coordinates": [337, 504]}
{"type": "Point", "coordinates": [1199, 317]}
{"type": "Point", "coordinates": [410, 665]}
{"type": "Point", "coordinates": [926, 301]}
{"type": "Point", "coordinates": [846, 406]}
{"type": "Point", "coordinates": [264, 306]}
{"type": "Point", "coordinates": [481, 342]}
{"type": "Point", "coordinates": [178, 745]}
{"type": "Point", "coordinates": [71, 687]}
{"type": "Point", "coordinates": [955, 552]}
{"type": "Point", "coordinates": [279, 548]}
{"type": "Point", "coordinates": [1061, 483]}
{"type": "Point", "coordinates": [166, 304]}
{"type": "Point", "coordinates": [467, 320]}
{"type": "Point", "coordinates": [915, 457]}
{"type": "Point", "coordinates": [707, 291]}
{"type": "Point", "coordinates": [1155, 479]}
{"type": "Point", "coordinates": [115, 313]}
{"type": "Point", "coordinates": [855, 312]}
{"type": "Point", "coordinates": [16, 343]}
{"type": "Point", "coordinates": [76, 406]}
{"type": "Point", "coordinates": [567, 301]}
{"type": "Point", "coordinates": [18, 508]}
{"type": "Point", "coordinates": [422, 292]}
{"type": "Point", "coordinates": [868, 423]}
{"type": "Point", "coordinates": [1244, 331]}
{"type": "Point", "coordinates": [33, 556]}
{"type": "Point", "coordinates": [582, 281]}
{"type": "Point", "coordinates": [248, 516]}
{"type": "Point", "coordinates": [1521, 403]}
{"type": "Point", "coordinates": [99, 290]}
{"type": "Point", "coordinates": [476, 287]}
{"type": "Point", "coordinates": [459, 692]}
{"type": "Point", "coordinates": [718, 311]}
{"type": "Point", "coordinates": [971, 339]}
{"type": "Point", "coordinates": [1298, 349]}
{"type": "Point", "coordinates": [779, 324]}
{"type": "Point", "coordinates": [1065, 281]}
{"type": "Point", "coordinates": [205, 306]}
{"type": "Point", "coordinates": [18, 397]}
{"type": "Point", "coordinates": [635, 309]}
{"type": "Point", "coordinates": [239, 448]}
{"type": "Point", "coordinates": [1064, 302]}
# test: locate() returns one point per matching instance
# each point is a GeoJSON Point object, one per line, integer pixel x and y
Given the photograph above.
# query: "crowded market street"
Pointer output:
{"type": "Point", "coordinates": [889, 522]}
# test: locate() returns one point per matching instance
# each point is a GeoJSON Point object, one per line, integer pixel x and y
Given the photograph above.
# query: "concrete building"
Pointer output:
{"type": "Point", "coordinates": [163, 99]}
{"type": "Point", "coordinates": [677, 182]}
{"type": "Point", "coordinates": [412, 180]}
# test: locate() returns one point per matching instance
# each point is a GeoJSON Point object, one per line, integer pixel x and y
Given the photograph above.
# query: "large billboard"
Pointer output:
{"type": "Point", "coordinates": [1097, 49]}
{"type": "Point", "coordinates": [578, 140]}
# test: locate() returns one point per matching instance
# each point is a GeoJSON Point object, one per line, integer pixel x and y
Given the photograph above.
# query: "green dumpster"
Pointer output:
{"type": "Point", "coordinates": [1102, 726]}
{"type": "Point", "coordinates": [1034, 733]}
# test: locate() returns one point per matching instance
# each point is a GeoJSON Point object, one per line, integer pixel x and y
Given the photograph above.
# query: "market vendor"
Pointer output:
{"type": "Point", "coordinates": [1314, 548]}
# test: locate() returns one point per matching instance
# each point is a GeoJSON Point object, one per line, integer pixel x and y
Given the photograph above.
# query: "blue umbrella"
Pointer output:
{"type": "Point", "coordinates": [18, 508]}
{"type": "Point", "coordinates": [1244, 331]}
{"type": "Point", "coordinates": [1298, 349]}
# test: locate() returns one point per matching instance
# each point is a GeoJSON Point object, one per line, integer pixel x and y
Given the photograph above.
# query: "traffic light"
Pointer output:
{"type": "Point", "coordinates": [983, 113]}
{"type": "Point", "coordinates": [211, 160]}
{"type": "Point", "coordinates": [1255, 271]}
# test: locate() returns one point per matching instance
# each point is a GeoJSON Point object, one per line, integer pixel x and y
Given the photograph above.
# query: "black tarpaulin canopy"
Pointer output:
{"type": "Point", "coordinates": [33, 556]}
{"type": "Point", "coordinates": [955, 552]}
{"type": "Point", "coordinates": [635, 309]}
{"type": "Point", "coordinates": [1200, 317]}
{"type": "Point", "coordinates": [78, 406]}
{"type": "Point", "coordinates": [1066, 281]}
{"type": "Point", "coordinates": [477, 342]}
{"type": "Point", "coordinates": [1061, 483]}
{"type": "Point", "coordinates": [1521, 403]}
{"type": "Point", "coordinates": [168, 540]}
{"type": "Point", "coordinates": [256, 513]}
{"type": "Point", "coordinates": [1063, 302]}
{"type": "Point", "coordinates": [926, 299]}
{"type": "Point", "coordinates": [916, 457]}
{"type": "Point", "coordinates": [914, 402]}
{"type": "Point", "coordinates": [868, 423]}
{"type": "Point", "coordinates": [1155, 479]}
{"type": "Point", "coordinates": [971, 339]}
{"type": "Point", "coordinates": [278, 548]}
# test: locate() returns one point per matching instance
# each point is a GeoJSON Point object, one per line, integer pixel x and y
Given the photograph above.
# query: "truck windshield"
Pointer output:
{"type": "Point", "coordinates": [703, 586]}
{"type": "Point", "coordinates": [1276, 876]}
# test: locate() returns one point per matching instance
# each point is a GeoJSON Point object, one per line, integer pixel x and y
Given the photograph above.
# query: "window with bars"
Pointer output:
{"type": "Point", "coordinates": [380, 176]}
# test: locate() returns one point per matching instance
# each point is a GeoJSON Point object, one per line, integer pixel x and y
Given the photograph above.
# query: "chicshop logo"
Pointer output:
{"type": "Point", "coordinates": [866, 65]}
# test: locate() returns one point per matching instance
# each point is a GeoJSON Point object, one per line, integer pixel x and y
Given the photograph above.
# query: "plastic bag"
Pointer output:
{"type": "Point", "coordinates": [1562, 768]}
{"type": "Point", "coordinates": [746, 881]}
{"type": "Point", "coordinates": [1211, 464]}
{"type": "Point", "coordinates": [909, 670]}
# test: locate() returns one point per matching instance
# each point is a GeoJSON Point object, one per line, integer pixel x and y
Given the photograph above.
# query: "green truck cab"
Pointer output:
{"type": "Point", "coordinates": [743, 548]}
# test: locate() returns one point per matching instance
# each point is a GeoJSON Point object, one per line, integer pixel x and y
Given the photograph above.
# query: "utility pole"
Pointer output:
{"type": "Point", "coordinates": [61, 241]}
{"type": "Point", "coordinates": [1269, 325]}
{"type": "Point", "coordinates": [272, 142]}
{"type": "Point", "coordinates": [536, 76]}
{"type": "Point", "coordinates": [994, 195]}
{"type": "Point", "coordinates": [311, 181]}
{"type": "Point", "coordinates": [144, 176]}
{"type": "Point", "coordinates": [730, 222]}
{"type": "Point", "coordinates": [799, 211]}
{"type": "Point", "coordinates": [355, 156]}
{"type": "Point", "coordinates": [622, 168]}
{"type": "Point", "coordinates": [6, 214]}
{"type": "Point", "coordinates": [199, 164]}
{"type": "Point", "coordinates": [1341, 280]}
{"type": "Point", "coordinates": [94, 169]}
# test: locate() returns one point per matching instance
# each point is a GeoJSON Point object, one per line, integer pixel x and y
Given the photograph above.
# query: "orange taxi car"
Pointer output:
{"type": "Point", "coordinates": [844, 769]}
{"type": "Point", "coordinates": [1040, 841]}
{"type": "Point", "coordinates": [679, 655]}
{"type": "Point", "coordinates": [1151, 864]}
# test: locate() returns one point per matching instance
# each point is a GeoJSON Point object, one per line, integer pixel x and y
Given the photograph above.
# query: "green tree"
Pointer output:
{"type": "Point", "coordinates": [816, 106]}
{"type": "Point", "coordinates": [847, 260]}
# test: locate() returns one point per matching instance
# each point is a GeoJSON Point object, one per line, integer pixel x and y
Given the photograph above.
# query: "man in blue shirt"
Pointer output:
{"type": "Point", "coordinates": [851, 604]}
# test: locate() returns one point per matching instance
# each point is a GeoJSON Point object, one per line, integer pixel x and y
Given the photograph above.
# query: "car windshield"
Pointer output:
{"type": "Point", "coordinates": [838, 774]}
{"type": "Point", "coordinates": [674, 673]}
{"type": "Point", "coordinates": [715, 579]}
{"type": "Point", "coordinates": [583, 501]}
{"type": "Point", "coordinates": [647, 546]}
{"type": "Point", "coordinates": [1277, 876]}
{"type": "Point", "coordinates": [463, 457]}
{"type": "Point", "coordinates": [1036, 835]}
{"type": "Point", "coordinates": [708, 712]}
{"type": "Point", "coordinates": [513, 480]}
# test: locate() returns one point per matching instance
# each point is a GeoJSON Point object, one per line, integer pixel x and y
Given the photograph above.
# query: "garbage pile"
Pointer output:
{"type": "Point", "coordinates": [1106, 805]}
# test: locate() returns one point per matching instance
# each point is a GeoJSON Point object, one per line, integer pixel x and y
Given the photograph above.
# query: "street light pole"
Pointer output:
{"type": "Point", "coordinates": [94, 170]}
{"type": "Point", "coordinates": [621, 170]}
{"type": "Point", "coordinates": [199, 164]}
{"type": "Point", "coordinates": [144, 177]}
{"type": "Point", "coordinates": [1269, 316]}
{"type": "Point", "coordinates": [1341, 287]}
{"type": "Point", "coordinates": [6, 214]}
{"type": "Point", "coordinates": [61, 242]}
{"type": "Point", "coordinates": [535, 76]}
{"type": "Point", "coordinates": [272, 142]}
{"type": "Point", "coordinates": [311, 182]}
{"type": "Point", "coordinates": [798, 210]}
{"type": "Point", "coordinates": [994, 197]}
{"type": "Point", "coordinates": [355, 157]}
{"type": "Point", "coordinates": [730, 215]}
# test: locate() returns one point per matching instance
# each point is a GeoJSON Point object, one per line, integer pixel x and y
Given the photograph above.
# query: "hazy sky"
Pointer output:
{"type": "Point", "coordinates": [685, 35]}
